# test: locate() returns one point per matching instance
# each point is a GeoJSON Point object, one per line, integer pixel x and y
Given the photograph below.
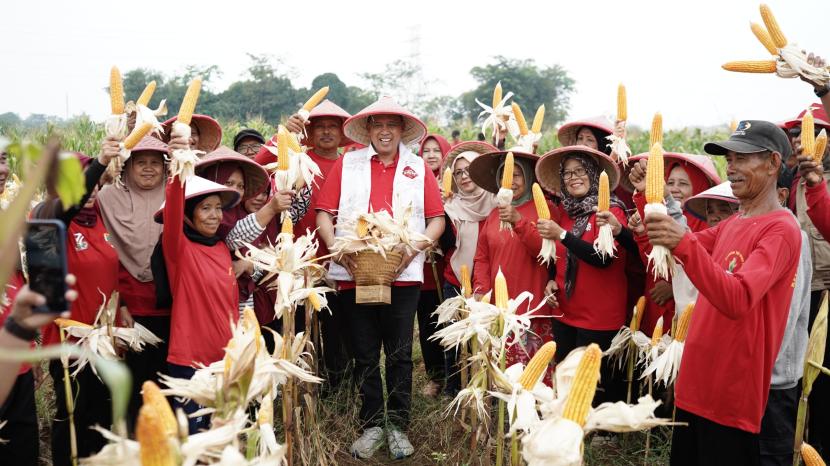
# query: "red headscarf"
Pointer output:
{"type": "Point", "coordinates": [442, 143]}
{"type": "Point", "coordinates": [700, 182]}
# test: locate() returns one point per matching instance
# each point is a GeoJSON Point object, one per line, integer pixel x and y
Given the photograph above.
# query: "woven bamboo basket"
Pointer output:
{"type": "Point", "coordinates": [373, 276]}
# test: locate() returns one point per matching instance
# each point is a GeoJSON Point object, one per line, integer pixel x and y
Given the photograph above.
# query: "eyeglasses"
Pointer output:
{"type": "Point", "coordinates": [568, 174]}
{"type": "Point", "coordinates": [250, 147]}
{"type": "Point", "coordinates": [460, 173]}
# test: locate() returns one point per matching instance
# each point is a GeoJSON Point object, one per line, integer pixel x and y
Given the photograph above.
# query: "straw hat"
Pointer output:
{"type": "Point", "coordinates": [150, 143]}
{"type": "Point", "coordinates": [210, 133]}
{"type": "Point", "coordinates": [256, 177]}
{"type": "Point", "coordinates": [701, 162]}
{"type": "Point", "coordinates": [547, 170]}
{"type": "Point", "coordinates": [478, 147]}
{"type": "Point", "coordinates": [568, 132]}
{"type": "Point", "coordinates": [327, 108]}
{"type": "Point", "coordinates": [355, 127]}
{"type": "Point", "coordinates": [484, 169]}
{"type": "Point", "coordinates": [696, 205]}
{"type": "Point", "coordinates": [198, 186]}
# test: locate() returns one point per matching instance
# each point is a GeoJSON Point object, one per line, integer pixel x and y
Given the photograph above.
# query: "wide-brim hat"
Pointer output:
{"type": "Point", "coordinates": [256, 177]}
{"type": "Point", "coordinates": [819, 117]}
{"type": "Point", "coordinates": [355, 127]}
{"type": "Point", "coordinates": [484, 169]}
{"type": "Point", "coordinates": [327, 108]}
{"type": "Point", "coordinates": [547, 170]}
{"type": "Point", "coordinates": [700, 162]}
{"type": "Point", "coordinates": [210, 133]}
{"type": "Point", "coordinates": [567, 133]}
{"type": "Point", "coordinates": [198, 186]}
{"type": "Point", "coordinates": [696, 205]}
{"type": "Point", "coordinates": [150, 143]}
{"type": "Point", "coordinates": [479, 147]}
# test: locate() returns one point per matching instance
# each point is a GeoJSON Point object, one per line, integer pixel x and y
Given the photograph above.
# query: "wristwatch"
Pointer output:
{"type": "Point", "coordinates": [563, 235]}
{"type": "Point", "coordinates": [18, 330]}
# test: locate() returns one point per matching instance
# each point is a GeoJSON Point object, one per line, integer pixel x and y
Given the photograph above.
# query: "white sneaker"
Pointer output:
{"type": "Point", "coordinates": [368, 443]}
{"type": "Point", "coordinates": [399, 446]}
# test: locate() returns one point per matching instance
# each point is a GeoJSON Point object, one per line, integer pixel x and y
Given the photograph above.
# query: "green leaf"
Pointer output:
{"type": "Point", "coordinates": [70, 183]}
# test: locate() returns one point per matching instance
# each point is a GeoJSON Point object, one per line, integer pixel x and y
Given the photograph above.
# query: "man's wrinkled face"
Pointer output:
{"type": "Point", "coordinates": [326, 133]}
{"type": "Point", "coordinates": [751, 174]}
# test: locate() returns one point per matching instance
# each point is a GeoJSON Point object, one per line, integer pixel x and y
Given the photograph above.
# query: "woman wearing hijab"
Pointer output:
{"type": "Point", "coordinates": [92, 259]}
{"type": "Point", "coordinates": [583, 315]}
{"type": "Point", "coordinates": [513, 252]}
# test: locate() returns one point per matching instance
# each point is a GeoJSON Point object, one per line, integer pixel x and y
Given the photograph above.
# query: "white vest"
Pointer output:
{"type": "Point", "coordinates": [407, 188]}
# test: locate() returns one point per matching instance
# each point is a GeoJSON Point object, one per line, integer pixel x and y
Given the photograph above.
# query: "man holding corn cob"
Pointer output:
{"type": "Point", "coordinates": [744, 269]}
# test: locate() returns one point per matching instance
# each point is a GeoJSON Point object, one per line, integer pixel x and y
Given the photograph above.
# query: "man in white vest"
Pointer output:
{"type": "Point", "coordinates": [384, 174]}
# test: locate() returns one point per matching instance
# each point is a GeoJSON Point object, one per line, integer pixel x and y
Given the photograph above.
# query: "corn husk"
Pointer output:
{"type": "Point", "coordinates": [183, 161]}
{"type": "Point", "coordinates": [499, 116]}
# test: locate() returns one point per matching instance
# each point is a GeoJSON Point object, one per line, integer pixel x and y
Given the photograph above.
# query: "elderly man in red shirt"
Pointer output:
{"type": "Point", "coordinates": [745, 270]}
{"type": "Point", "coordinates": [368, 180]}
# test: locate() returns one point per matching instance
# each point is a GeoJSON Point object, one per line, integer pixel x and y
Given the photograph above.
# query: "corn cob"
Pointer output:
{"type": "Point", "coordinates": [733, 125]}
{"type": "Point", "coordinates": [500, 290]}
{"type": "Point", "coordinates": [116, 91]}
{"type": "Point", "coordinates": [314, 301]}
{"type": "Point", "coordinates": [265, 415]}
{"type": "Point", "coordinates": [604, 197]}
{"type": "Point", "coordinates": [811, 456]}
{"type": "Point", "coordinates": [283, 162]}
{"type": "Point", "coordinates": [538, 363]}
{"type": "Point", "coordinates": [287, 226]}
{"type": "Point", "coordinates": [137, 135]}
{"type": "Point", "coordinates": [821, 146]}
{"type": "Point", "coordinates": [764, 38]}
{"type": "Point", "coordinates": [293, 142]}
{"type": "Point", "coordinates": [466, 283]}
{"type": "Point", "coordinates": [622, 106]}
{"type": "Point", "coordinates": [497, 95]}
{"type": "Point", "coordinates": [658, 332]}
{"type": "Point", "coordinates": [654, 175]}
{"type": "Point", "coordinates": [362, 227]}
{"type": "Point", "coordinates": [538, 119]}
{"type": "Point", "coordinates": [772, 26]}
{"type": "Point", "coordinates": [316, 99]}
{"type": "Point", "coordinates": [656, 134]}
{"type": "Point", "coordinates": [153, 398]}
{"type": "Point", "coordinates": [520, 118]}
{"type": "Point", "coordinates": [751, 66]}
{"type": "Point", "coordinates": [154, 444]}
{"type": "Point", "coordinates": [146, 94]}
{"type": "Point", "coordinates": [542, 209]}
{"type": "Point", "coordinates": [808, 135]}
{"type": "Point", "coordinates": [228, 359]}
{"type": "Point", "coordinates": [250, 322]}
{"type": "Point", "coordinates": [638, 314]}
{"type": "Point", "coordinates": [63, 323]}
{"type": "Point", "coordinates": [189, 101]}
{"type": "Point", "coordinates": [507, 173]}
{"type": "Point", "coordinates": [446, 182]}
{"type": "Point", "coordinates": [486, 298]}
{"type": "Point", "coordinates": [584, 386]}
{"type": "Point", "coordinates": [683, 323]}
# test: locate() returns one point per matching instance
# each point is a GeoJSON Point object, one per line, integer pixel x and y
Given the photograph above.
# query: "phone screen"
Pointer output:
{"type": "Point", "coordinates": [46, 263]}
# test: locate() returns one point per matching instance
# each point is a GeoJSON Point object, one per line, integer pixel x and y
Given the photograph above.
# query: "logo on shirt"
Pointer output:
{"type": "Point", "coordinates": [80, 242]}
{"type": "Point", "coordinates": [107, 239]}
{"type": "Point", "coordinates": [588, 227]}
{"type": "Point", "coordinates": [733, 261]}
{"type": "Point", "coordinates": [409, 173]}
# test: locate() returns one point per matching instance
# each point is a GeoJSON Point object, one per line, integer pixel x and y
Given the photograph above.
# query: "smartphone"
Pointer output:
{"type": "Point", "coordinates": [45, 245]}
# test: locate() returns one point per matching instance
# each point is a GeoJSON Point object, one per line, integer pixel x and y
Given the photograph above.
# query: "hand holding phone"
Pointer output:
{"type": "Point", "coordinates": [45, 245]}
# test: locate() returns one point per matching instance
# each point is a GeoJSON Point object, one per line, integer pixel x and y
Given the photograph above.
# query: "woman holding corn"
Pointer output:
{"type": "Point", "coordinates": [512, 250]}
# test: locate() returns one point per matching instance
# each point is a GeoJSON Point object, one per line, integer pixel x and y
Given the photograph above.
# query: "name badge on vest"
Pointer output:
{"type": "Point", "coordinates": [80, 242]}
{"type": "Point", "coordinates": [409, 172]}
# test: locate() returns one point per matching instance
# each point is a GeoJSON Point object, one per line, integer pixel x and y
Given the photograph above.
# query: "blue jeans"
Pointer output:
{"type": "Point", "coordinates": [195, 424]}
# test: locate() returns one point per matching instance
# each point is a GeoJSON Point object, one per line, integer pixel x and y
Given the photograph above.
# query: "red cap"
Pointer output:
{"type": "Point", "coordinates": [819, 115]}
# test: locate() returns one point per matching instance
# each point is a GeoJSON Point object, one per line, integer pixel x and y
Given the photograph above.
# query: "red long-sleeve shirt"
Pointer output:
{"type": "Point", "coordinates": [205, 293]}
{"type": "Point", "coordinates": [818, 207]}
{"type": "Point", "coordinates": [16, 282]}
{"type": "Point", "coordinates": [745, 271]}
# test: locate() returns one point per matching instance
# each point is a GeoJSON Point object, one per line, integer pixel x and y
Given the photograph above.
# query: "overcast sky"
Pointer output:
{"type": "Point", "coordinates": [57, 54]}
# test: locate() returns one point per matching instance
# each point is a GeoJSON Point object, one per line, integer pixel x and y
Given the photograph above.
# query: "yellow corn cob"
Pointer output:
{"type": "Point", "coordinates": [622, 105]}
{"type": "Point", "coordinates": [137, 135]}
{"type": "Point", "coordinates": [63, 323]}
{"type": "Point", "coordinates": [265, 415]}
{"type": "Point", "coordinates": [638, 314]}
{"type": "Point", "coordinates": [538, 119]}
{"type": "Point", "coordinates": [497, 95]}
{"type": "Point", "coordinates": [751, 66]}
{"type": "Point", "coordinates": [287, 226]}
{"type": "Point", "coordinates": [656, 134]}
{"type": "Point", "coordinates": [654, 175]}
{"type": "Point", "coordinates": [283, 162]}
{"type": "Point", "coordinates": [584, 386]}
{"type": "Point", "coordinates": [314, 301]}
{"type": "Point", "coordinates": [520, 118]}
{"type": "Point", "coordinates": [542, 209]}
{"type": "Point", "coordinates": [538, 363]}
{"type": "Point", "coordinates": [821, 146]}
{"type": "Point", "coordinates": [315, 99]}
{"type": "Point", "coordinates": [772, 26]}
{"type": "Point", "coordinates": [733, 125]}
{"type": "Point", "coordinates": [811, 456]}
{"type": "Point", "coordinates": [250, 322]}
{"type": "Point", "coordinates": [189, 101]}
{"type": "Point", "coordinates": [808, 134]}
{"type": "Point", "coordinates": [116, 91]}
{"type": "Point", "coordinates": [658, 332]}
{"type": "Point", "coordinates": [507, 174]}
{"type": "Point", "coordinates": [604, 196]}
{"type": "Point", "coordinates": [446, 182]}
{"type": "Point", "coordinates": [154, 444]}
{"type": "Point", "coordinates": [153, 398]}
{"type": "Point", "coordinates": [500, 290]}
{"type": "Point", "coordinates": [764, 38]}
{"type": "Point", "coordinates": [683, 323]}
{"type": "Point", "coordinates": [466, 283]}
{"type": "Point", "coordinates": [362, 227]}
{"type": "Point", "coordinates": [146, 94]}
{"type": "Point", "coordinates": [293, 142]}
{"type": "Point", "coordinates": [228, 359]}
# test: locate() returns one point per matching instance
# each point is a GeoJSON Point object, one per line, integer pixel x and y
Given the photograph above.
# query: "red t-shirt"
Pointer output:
{"type": "Point", "coordinates": [586, 308]}
{"type": "Point", "coordinates": [94, 261]}
{"type": "Point", "coordinates": [309, 220]}
{"type": "Point", "coordinates": [16, 281]}
{"type": "Point", "coordinates": [744, 269]}
{"type": "Point", "coordinates": [139, 297]}
{"type": "Point", "coordinates": [449, 273]}
{"type": "Point", "coordinates": [205, 293]}
{"type": "Point", "coordinates": [380, 196]}
{"type": "Point", "coordinates": [818, 207]}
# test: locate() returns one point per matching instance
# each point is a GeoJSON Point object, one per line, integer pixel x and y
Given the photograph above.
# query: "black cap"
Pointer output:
{"type": "Point", "coordinates": [247, 133]}
{"type": "Point", "coordinates": [752, 136]}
